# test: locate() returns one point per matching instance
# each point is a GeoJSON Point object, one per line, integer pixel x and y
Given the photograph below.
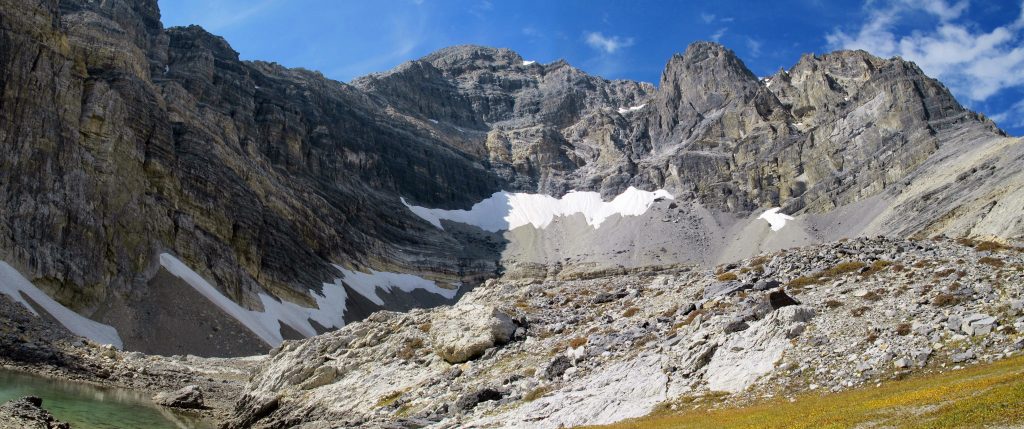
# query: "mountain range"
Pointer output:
{"type": "Point", "coordinates": [155, 184]}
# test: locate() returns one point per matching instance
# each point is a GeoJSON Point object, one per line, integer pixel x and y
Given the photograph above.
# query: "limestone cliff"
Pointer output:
{"type": "Point", "coordinates": [121, 140]}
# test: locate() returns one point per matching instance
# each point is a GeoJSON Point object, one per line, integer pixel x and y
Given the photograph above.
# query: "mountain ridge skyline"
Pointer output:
{"type": "Point", "coordinates": [605, 39]}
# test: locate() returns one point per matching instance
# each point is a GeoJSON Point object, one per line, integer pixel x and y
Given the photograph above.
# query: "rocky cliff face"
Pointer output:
{"type": "Point", "coordinates": [123, 140]}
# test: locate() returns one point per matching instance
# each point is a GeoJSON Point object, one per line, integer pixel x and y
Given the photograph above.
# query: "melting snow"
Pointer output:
{"type": "Point", "coordinates": [507, 211]}
{"type": "Point", "coordinates": [526, 63]}
{"type": "Point", "coordinates": [368, 283]}
{"type": "Point", "coordinates": [267, 324]}
{"type": "Point", "coordinates": [775, 219]}
{"type": "Point", "coordinates": [624, 110]}
{"type": "Point", "coordinates": [13, 284]}
{"type": "Point", "coordinates": [330, 310]}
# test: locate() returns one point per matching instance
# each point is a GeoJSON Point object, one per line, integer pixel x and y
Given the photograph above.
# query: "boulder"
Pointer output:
{"type": "Point", "coordinates": [736, 325]}
{"type": "Point", "coordinates": [779, 299]}
{"type": "Point", "coordinates": [767, 285]}
{"type": "Point", "coordinates": [724, 288]}
{"type": "Point", "coordinates": [977, 324]}
{"type": "Point", "coordinates": [557, 367]}
{"type": "Point", "coordinates": [962, 357]}
{"type": "Point", "coordinates": [605, 297]}
{"type": "Point", "coordinates": [464, 332]}
{"type": "Point", "coordinates": [470, 400]}
{"type": "Point", "coordinates": [921, 356]}
{"type": "Point", "coordinates": [188, 397]}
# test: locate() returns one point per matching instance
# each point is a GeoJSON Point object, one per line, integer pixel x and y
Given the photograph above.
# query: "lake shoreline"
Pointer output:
{"type": "Point", "coordinates": [40, 347]}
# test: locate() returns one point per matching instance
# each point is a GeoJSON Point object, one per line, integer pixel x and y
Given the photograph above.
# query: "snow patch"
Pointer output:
{"type": "Point", "coordinates": [624, 110]}
{"type": "Point", "coordinates": [507, 211]}
{"type": "Point", "coordinates": [526, 63]}
{"type": "Point", "coordinates": [432, 120]}
{"type": "Point", "coordinates": [367, 284]}
{"type": "Point", "coordinates": [267, 324]}
{"type": "Point", "coordinates": [13, 284]}
{"type": "Point", "coordinates": [775, 219]}
{"type": "Point", "coordinates": [330, 303]}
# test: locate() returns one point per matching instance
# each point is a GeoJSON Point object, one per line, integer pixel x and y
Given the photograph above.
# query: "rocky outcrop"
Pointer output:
{"type": "Point", "coordinates": [125, 140]}
{"type": "Point", "coordinates": [28, 413]}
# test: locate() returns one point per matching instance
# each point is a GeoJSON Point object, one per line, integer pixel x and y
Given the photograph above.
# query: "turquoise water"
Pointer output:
{"type": "Point", "coordinates": [89, 407]}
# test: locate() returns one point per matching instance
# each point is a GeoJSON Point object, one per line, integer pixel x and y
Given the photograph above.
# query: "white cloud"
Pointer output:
{"type": "Point", "coordinates": [718, 34]}
{"type": "Point", "coordinates": [607, 44]}
{"type": "Point", "coordinates": [753, 47]}
{"type": "Point", "coordinates": [707, 17]}
{"type": "Point", "coordinates": [975, 64]}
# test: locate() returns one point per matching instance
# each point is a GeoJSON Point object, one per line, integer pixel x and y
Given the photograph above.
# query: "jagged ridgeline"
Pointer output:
{"type": "Point", "coordinates": [196, 203]}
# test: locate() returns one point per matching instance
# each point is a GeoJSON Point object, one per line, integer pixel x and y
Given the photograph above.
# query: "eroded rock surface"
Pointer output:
{"type": "Point", "coordinates": [612, 347]}
{"type": "Point", "coordinates": [124, 140]}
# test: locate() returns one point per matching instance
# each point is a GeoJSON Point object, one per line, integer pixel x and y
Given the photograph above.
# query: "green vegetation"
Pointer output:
{"type": "Point", "coordinates": [981, 396]}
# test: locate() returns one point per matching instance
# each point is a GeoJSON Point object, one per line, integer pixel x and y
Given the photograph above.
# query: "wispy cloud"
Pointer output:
{"type": "Point", "coordinates": [407, 32]}
{"type": "Point", "coordinates": [481, 9]}
{"type": "Point", "coordinates": [717, 36]}
{"type": "Point", "coordinates": [975, 64]}
{"type": "Point", "coordinates": [1012, 117]}
{"type": "Point", "coordinates": [607, 44]}
{"type": "Point", "coordinates": [707, 17]}
{"type": "Point", "coordinates": [217, 18]}
{"type": "Point", "coordinates": [754, 47]}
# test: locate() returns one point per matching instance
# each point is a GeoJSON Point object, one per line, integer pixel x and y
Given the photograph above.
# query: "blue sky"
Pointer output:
{"type": "Point", "coordinates": [976, 48]}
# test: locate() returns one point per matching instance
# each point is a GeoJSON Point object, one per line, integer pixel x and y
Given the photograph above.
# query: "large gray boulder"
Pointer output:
{"type": "Point", "coordinates": [464, 332]}
{"type": "Point", "coordinates": [189, 397]}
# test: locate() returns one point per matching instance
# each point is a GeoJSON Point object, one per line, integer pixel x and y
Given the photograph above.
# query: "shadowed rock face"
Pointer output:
{"type": "Point", "coordinates": [122, 140]}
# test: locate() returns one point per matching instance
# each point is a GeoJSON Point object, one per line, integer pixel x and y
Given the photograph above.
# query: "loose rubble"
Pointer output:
{"type": "Point", "coordinates": [599, 350]}
{"type": "Point", "coordinates": [28, 413]}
